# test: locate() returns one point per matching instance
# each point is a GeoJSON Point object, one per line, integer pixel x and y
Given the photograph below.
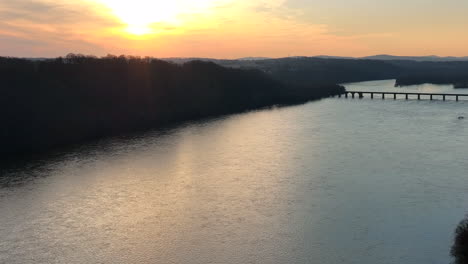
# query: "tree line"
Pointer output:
{"type": "Point", "coordinates": [54, 102]}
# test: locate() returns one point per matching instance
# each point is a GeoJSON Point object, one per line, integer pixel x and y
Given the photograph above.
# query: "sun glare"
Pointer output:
{"type": "Point", "coordinates": [143, 17]}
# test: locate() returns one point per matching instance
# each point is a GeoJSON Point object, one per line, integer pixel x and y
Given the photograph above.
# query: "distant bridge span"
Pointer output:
{"type": "Point", "coordinates": [419, 96]}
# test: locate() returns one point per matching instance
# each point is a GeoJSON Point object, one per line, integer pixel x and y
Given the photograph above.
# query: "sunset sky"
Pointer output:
{"type": "Point", "coordinates": [233, 28]}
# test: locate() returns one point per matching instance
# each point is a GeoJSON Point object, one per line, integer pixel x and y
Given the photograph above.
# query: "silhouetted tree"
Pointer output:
{"type": "Point", "coordinates": [460, 247]}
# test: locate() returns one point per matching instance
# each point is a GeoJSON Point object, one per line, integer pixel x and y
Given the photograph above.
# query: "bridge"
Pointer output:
{"type": "Point", "coordinates": [419, 96]}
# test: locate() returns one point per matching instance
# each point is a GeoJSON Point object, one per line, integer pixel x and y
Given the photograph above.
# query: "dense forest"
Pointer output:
{"type": "Point", "coordinates": [458, 81]}
{"type": "Point", "coordinates": [455, 73]}
{"type": "Point", "coordinates": [310, 70]}
{"type": "Point", "coordinates": [49, 103]}
{"type": "Point", "coordinates": [307, 70]}
{"type": "Point", "coordinates": [314, 70]}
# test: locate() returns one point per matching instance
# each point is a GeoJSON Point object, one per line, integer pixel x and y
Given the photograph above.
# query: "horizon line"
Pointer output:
{"type": "Point", "coordinates": [246, 57]}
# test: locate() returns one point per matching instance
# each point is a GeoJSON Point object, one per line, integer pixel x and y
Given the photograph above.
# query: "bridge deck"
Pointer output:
{"type": "Point", "coordinates": [419, 95]}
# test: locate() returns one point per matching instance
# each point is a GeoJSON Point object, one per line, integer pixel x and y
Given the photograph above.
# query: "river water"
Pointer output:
{"type": "Point", "coordinates": [333, 181]}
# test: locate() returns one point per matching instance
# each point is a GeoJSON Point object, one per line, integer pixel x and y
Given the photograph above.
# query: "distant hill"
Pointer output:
{"type": "Point", "coordinates": [384, 57]}
{"type": "Point", "coordinates": [184, 60]}
{"type": "Point", "coordinates": [253, 58]}
{"type": "Point", "coordinates": [325, 69]}
{"type": "Point", "coordinates": [415, 58]}
{"type": "Point", "coordinates": [332, 57]}
{"type": "Point", "coordinates": [308, 70]}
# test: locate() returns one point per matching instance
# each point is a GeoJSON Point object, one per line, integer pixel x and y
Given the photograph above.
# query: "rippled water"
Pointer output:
{"type": "Point", "coordinates": [333, 181]}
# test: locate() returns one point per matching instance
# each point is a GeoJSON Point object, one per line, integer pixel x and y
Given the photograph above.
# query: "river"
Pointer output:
{"type": "Point", "coordinates": [333, 181]}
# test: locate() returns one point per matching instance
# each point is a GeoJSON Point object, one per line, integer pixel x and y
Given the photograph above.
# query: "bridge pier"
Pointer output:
{"type": "Point", "coordinates": [383, 96]}
{"type": "Point", "coordinates": [372, 95]}
{"type": "Point", "coordinates": [419, 96]}
{"type": "Point", "coordinates": [394, 96]}
{"type": "Point", "coordinates": [361, 95]}
{"type": "Point", "coordinates": [444, 98]}
{"type": "Point", "coordinates": [406, 96]}
{"type": "Point", "coordinates": [346, 95]}
{"type": "Point", "coordinates": [352, 94]}
{"type": "Point", "coordinates": [457, 98]}
{"type": "Point", "coordinates": [431, 97]}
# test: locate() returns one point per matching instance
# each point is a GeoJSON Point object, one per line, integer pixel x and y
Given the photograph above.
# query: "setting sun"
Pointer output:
{"type": "Point", "coordinates": [139, 16]}
{"type": "Point", "coordinates": [143, 17]}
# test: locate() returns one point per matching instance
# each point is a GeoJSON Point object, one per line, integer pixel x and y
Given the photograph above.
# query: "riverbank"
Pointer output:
{"type": "Point", "coordinates": [457, 81]}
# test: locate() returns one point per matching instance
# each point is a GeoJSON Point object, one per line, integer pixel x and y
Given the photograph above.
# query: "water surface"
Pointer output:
{"type": "Point", "coordinates": [333, 181]}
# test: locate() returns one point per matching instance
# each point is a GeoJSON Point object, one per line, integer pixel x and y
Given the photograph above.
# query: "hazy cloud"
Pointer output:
{"type": "Point", "coordinates": [48, 27]}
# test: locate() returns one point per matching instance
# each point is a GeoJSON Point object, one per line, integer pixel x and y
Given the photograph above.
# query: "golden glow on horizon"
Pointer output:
{"type": "Point", "coordinates": [144, 17]}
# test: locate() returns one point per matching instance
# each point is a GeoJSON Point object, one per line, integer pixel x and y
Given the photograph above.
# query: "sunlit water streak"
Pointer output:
{"type": "Point", "coordinates": [333, 181]}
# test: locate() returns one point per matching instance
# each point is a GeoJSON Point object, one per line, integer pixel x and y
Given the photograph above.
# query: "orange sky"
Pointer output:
{"type": "Point", "coordinates": [233, 28]}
